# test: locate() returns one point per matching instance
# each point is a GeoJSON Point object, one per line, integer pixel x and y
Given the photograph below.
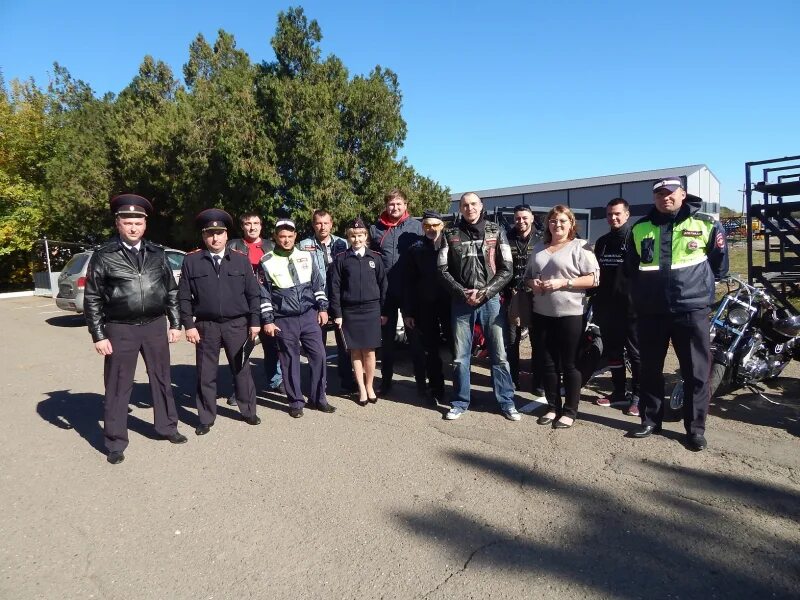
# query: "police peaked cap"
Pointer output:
{"type": "Point", "coordinates": [213, 219]}
{"type": "Point", "coordinates": [130, 205]}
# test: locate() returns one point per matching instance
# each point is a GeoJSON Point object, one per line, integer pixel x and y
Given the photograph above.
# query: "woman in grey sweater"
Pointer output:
{"type": "Point", "coordinates": [560, 270]}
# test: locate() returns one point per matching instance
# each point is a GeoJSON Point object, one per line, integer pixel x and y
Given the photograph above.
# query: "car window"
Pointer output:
{"type": "Point", "coordinates": [175, 260]}
{"type": "Point", "coordinates": [75, 264]}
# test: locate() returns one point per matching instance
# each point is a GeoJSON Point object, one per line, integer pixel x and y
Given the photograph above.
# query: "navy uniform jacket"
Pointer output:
{"type": "Point", "coordinates": [206, 296]}
{"type": "Point", "coordinates": [357, 281]}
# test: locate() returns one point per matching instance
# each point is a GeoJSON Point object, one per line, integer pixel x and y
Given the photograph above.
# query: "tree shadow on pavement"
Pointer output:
{"type": "Point", "coordinates": [84, 413]}
{"type": "Point", "coordinates": [682, 533]}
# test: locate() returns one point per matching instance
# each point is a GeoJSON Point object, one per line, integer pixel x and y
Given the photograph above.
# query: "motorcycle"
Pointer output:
{"type": "Point", "coordinates": [752, 340]}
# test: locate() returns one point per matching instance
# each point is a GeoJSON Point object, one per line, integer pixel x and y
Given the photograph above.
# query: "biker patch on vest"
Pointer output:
{"type": "Point", "coordinates": [691, 233]}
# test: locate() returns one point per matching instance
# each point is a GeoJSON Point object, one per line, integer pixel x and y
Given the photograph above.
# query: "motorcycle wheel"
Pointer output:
{"type": "Point", "coordinates": [673, 411]}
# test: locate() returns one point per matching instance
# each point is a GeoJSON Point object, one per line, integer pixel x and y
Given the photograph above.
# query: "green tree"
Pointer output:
{"type": "Point", "coordinates": [336, 138]}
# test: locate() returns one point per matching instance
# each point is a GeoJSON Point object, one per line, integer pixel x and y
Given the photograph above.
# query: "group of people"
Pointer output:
{"type": "Point", "coordinates": [651, 282]}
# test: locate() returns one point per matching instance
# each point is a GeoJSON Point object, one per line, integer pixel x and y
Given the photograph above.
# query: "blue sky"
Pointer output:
{"type": "Point", "coordinates": [494, 94]}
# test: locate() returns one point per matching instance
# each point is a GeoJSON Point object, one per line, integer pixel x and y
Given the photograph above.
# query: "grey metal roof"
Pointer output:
{"type": "Point", "coordinates": [587, 182]}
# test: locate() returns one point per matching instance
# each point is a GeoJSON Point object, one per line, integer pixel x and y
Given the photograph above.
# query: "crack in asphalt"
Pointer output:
{"type": "Point", "coordinates": [465, 567]}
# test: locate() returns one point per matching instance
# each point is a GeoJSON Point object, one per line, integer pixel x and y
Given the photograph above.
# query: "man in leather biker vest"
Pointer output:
{"type": "Point", "coordinates": [129, 290]}
{"type": "Point", "coordinates": [675, 256]}
{"type": "Point", "coordinates": [475, 265]}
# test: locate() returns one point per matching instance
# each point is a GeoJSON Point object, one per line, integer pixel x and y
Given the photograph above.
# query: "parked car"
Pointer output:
{"type": "Point", "coordinates": [72, 280]}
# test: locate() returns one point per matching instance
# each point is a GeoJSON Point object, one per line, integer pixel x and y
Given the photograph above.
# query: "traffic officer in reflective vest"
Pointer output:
{"type": "Point", "coordinates": [219, 298]}
{"type": "Point", "coordinates": [293, 306]}
{"type": "Point", "coordinates": [129, 290]}
{"type": "Point", "coordinates": [676, 255]}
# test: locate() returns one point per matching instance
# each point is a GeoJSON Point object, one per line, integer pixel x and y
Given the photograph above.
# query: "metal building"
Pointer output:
{"type": "Point", "coordinates": [588, 197]}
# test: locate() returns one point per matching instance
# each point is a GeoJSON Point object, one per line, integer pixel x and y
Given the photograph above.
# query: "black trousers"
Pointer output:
{"type": "Point", "coordinates": [555, 348]}
{"type": "Point", "coordinates": [229, 335]}
{"type": "Point", "coordinates": [434, 324]}
{"type": "Point", "coordinates": [388, 332]}
{"type": "Point", "coordinates": [620, 334]}
{"type": "Point", "coordinates": [689, 333]}
{"type": "Point", "coordinates": [127, 342]}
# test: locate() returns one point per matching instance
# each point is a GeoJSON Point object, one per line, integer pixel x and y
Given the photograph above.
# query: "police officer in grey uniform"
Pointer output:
{"type": "Point", "coordinates": [129, 290]}
{"type": "Point", "coordinates": [219, 306]}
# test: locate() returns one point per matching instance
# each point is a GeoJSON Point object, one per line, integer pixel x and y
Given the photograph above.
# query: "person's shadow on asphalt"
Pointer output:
{"type": "Point", "coordinates": [84, 413]}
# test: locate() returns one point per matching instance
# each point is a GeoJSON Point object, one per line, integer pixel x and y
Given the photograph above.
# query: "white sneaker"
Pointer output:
{"type": "Point", "coordinates": [512, 414]}
{"type": "Point", "coordinates": [454, 413]}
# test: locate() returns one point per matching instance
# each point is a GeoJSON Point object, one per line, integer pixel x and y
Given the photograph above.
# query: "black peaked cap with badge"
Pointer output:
{"type": "Point", "coordinates": [214, 219]}
{"type": "Point", "coordinates": [131, 205]}
{"type": "Point", "coordinates": [357, 223]}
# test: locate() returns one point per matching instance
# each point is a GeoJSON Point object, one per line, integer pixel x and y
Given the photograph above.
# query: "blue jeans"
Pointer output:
{"type": "Point", "coordinates": [492, 319]}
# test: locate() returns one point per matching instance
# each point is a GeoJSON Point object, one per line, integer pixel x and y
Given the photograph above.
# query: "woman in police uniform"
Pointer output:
{"type": "Point", "coordinates": [358, 292]}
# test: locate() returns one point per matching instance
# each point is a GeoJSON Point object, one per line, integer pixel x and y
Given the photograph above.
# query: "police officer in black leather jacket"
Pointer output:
{"type": "Point", "coordinates": [129, 290]}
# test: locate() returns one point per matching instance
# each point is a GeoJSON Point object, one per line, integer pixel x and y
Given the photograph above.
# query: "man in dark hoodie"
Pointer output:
{"type": "Point", "coordinates": [613, 307]}
{"type": "Point", "coordinates": [675, 256]}
{"type": "Point", "coordinates": [391, 237]}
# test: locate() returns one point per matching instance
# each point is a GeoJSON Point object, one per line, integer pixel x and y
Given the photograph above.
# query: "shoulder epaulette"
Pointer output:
{"type": "Point", "coordinates": [704, 217]}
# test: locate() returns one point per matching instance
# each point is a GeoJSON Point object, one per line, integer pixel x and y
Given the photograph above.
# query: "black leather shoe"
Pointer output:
{"type": "Point", "coordinates": [562, 425]}
{"type": "Point", "coordinates": [254, 420]}
{"type": "Point", "coordinates": [372, 400]}
{"type": "Point", "coordinates": [326, 408]}
{"type": "Point", "coordinates": [115, 457]}
{"type": "Point", "coordinates": [176, 438]}
{"type": "Point", "coordinates": [544, 420]}
{"type": "Point", "coordinates": [202, 429]}
{"type": "Point", "coordinates": [696, 442]}
{"type": "Point", "coordinates": [295, 413]}
{"type": "Point", "coordinates": [232, 400]}
{"type": "Point", "coordinates": [644, 431]}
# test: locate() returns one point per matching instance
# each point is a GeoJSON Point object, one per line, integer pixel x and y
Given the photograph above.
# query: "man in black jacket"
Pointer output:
{"type": "Point", "coordinates": [613, 307]}
{"type": "Point", "coordinates": [129, 289]}
{"type": "Point", "coordinates": [427, 305]}
{"type": "Point", "coordinates": [391, 237]}
{"type": "Point", "coordinates": [219, 306]}
{"type": "Point", "coordinates": [517, 297]}
{"type": "Point", "coordinates": [475, 264]}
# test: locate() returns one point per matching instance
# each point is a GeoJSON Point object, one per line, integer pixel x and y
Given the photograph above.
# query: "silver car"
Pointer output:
{"type": "Point", "coordinates": [72, 280]}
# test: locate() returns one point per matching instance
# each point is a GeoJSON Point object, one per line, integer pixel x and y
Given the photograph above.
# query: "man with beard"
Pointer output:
{"type": "Point", "coordinates": [427, 306]}
{"type": "Point", "coordinates": [517, 297]}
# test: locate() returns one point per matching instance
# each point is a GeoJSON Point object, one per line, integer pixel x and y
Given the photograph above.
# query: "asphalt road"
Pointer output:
{"type": "Point", "coordinates": [387, 501]}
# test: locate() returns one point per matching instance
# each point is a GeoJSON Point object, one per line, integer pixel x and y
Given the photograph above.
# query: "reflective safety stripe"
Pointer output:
{"type": "Point", "coordinates": [648, 268]}
{"type": "Point", "coordinates": [691, 263]}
